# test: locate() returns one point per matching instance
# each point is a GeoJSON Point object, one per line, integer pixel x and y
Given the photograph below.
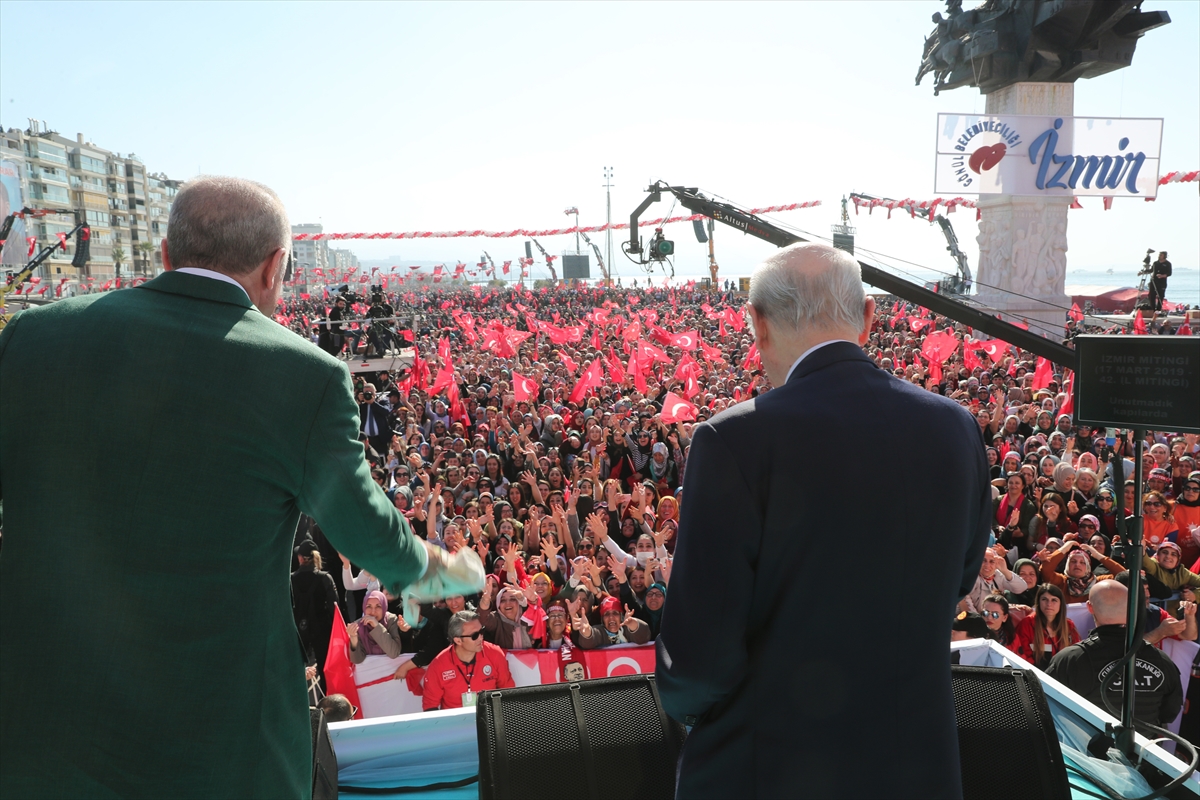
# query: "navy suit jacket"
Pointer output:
{"type": "Point", "coordinates": [843, 488]}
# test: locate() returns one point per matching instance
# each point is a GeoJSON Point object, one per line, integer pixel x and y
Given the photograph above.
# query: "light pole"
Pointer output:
{"type": "Point", "coordinates": [608, 250]}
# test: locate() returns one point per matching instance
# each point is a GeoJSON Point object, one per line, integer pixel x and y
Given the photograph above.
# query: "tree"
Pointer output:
{"type": "Point", "coordinates": [118, 257]}
{"type": "Point", "coordinates": [146, 249]}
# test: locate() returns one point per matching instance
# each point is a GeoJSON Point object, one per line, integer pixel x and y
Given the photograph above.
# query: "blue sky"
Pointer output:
{"type": "Point", "coordinates": [369, 117]}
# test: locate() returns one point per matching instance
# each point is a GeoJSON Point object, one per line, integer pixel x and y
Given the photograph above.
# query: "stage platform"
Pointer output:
{"type": "Point", "coordinates": [394, 360]}
{"type": "Point", "coordinates": [439, 747]}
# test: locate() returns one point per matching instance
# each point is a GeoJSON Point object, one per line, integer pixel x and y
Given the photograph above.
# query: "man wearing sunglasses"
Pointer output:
{"type": "Point", "coordinates": [467, 667]}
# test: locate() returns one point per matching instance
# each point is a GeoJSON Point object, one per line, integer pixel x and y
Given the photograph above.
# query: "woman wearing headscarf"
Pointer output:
{"type": "Point", "coordinates": [1027, 570]}
{"type": "Point", "coordinates": [517, 623]}
{"type": "Point", "coordinates": [1064, 478]}
{"type": "Point", "coordinates": [377, 632]}
{"type": "Point", "coordinates": [641, 446]}
{"type": "Point", "coordinates": [663, 470]}
{"type": "Point", "coordinates": [614, 627]}
{"type": "Point", "coordinates": [1079, 576]}
{"type": "Point", "coordinates": [651, 610]}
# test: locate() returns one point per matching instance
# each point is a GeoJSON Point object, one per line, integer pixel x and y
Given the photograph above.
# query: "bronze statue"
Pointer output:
{"type": "Point", "coordinates": [1006, 41]}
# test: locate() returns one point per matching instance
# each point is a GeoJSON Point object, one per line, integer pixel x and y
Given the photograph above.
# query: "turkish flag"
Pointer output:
{"type": "Point", "coordinates": [937, 347]}
{"type": "Point", "coordinates": [1068, 406]}
{"type": "Point", "coordinates": [686, 340]}
{"type": "Point", "coordinates": [445, 378]}
{"type": "Point", "coordinates": [566, 360]}
{"type": "Point", "coordinates": [615, 368]}
{"type": "Point", "coordinates": [635, 367]}
{"type": "Point", "coordinates": [524, 388]}
{"type": "Point", "coordinates": [753, 359]}
{"type": "Point", "coordinates": [1076, 313]}
{"type": "Point", "coordinates": [632, 331]}
{"type": "Point", "coordinates": [593, 378]}
{"type": "Point", "coordinates": [611, 662]}
{"type": "Point", "coordinates": [995, 349]}
{"type": "Point", "coordinates": [1139, 323]}
{"type": "Point", "coordinates": [339, 672]}
{"type": "Point", "coordinates": [1043, 374]}
{"type": "Point", "coordinates": [918, 324]}
{"type": "Point", "coordinates": [676, 409]}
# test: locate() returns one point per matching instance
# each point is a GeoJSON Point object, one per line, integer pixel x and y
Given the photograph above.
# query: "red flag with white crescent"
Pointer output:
{"type": "Point", "coordinates": [676, 409]}
{"type": "Point", "coordinates": [524, 389]}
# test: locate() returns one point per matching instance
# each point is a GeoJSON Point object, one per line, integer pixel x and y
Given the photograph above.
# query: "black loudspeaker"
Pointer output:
{"type": "Point", "coordinates": [83, 248]}
{"type": "Point", "coordinates": [698, 227]}
{"type": "Point", "coordinates": [528, 250]}
{"type": "Point", "coordinates": [603, 739]}
{"type": "Point", "coordinates": [324, 764]}
{"type": "Point", "coordinates": [1003, 718]}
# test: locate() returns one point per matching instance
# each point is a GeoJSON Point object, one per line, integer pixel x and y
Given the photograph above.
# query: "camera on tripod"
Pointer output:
{"type": "Point", "coordinates": [1147, 265]}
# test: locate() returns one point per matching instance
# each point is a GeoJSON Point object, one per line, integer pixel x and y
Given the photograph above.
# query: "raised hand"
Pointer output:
{"type": "Point", "coordinates": [617, 567]}
{"type": "Point", "coordinates": [549, 550]}
{"type": "Point", "coordinates": [352, 632]}
{"type": "Point", "coordinates": [625, 623]}
{"type": "Point", "coordinates": [597, 526]}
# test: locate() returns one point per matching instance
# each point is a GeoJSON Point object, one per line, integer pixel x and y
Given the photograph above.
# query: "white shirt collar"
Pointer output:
{"type": "Point", "coordinates": [208, 273]}
{"type": "Point", "coordinates": [809, 352]}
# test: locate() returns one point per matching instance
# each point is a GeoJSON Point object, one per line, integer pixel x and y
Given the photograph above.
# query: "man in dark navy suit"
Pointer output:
{"type": "Point", "coordinates": [807, 631]}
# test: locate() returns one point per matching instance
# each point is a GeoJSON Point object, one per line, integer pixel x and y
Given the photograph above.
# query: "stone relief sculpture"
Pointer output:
{"type": "Point", "coordinates": [1003, 42]}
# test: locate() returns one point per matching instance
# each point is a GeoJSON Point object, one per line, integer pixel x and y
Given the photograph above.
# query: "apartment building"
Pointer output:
{"type": "Point", "coordinates": [126, 209]}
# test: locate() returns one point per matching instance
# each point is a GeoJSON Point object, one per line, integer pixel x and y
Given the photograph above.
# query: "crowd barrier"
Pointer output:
{"type": "Point", "coordinates": [380, 695]}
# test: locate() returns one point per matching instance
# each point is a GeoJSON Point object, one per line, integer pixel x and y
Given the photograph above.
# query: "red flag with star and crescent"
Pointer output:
{"type": "Point", "coordinates": [676, 409]}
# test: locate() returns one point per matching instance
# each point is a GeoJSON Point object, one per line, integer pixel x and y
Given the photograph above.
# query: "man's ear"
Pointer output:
{"type": "Point", "coordinates": [272, 273]}
{"type": "Point", "coordinates": [868, 320]}
{"type": "Point", "coordinates": [761, 329]}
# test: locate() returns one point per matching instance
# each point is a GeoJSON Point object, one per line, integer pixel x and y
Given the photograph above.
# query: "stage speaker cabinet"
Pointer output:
{"type": "Point", "coordinates": [603, 739]}
{"type": "Point", "coordinates": [1004, 719]}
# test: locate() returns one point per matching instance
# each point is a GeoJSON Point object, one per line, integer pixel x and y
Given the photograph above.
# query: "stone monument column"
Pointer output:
{"type": "Point", "coordinates": [1023, 240]}
{"type": "Point", "coordinates": [1025, 56]}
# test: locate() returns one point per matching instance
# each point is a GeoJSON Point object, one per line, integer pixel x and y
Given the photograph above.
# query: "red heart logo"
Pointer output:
{"type": "Point", "coordinates": [985, 158]}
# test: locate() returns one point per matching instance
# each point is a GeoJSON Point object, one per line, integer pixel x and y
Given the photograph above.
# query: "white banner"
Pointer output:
{"type": "Point", "coordinates": [1047, 156]}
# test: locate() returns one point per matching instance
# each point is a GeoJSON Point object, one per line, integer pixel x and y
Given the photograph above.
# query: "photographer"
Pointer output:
{"type": "Point", "coordinates": [373, 420]}
{"type": "Point", "coordinates": [379, 333]}
{"type": "Point", "coordinates": [1159, 271]}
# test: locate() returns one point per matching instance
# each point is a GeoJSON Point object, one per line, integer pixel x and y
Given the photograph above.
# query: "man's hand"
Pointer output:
{"type": "Point", "coordinates": [403, 670]}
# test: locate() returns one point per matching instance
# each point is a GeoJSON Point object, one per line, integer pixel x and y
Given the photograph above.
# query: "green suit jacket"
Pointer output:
{"type": "Point", "coordinates": [157, 446]}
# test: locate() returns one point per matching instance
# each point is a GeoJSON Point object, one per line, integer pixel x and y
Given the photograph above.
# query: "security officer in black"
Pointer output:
{"type": "Point", "coordinates": [1083, 667]}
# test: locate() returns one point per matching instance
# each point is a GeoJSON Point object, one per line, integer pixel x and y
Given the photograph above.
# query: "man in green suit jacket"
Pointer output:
{"type": "Point", "coordinates": [148, 643]}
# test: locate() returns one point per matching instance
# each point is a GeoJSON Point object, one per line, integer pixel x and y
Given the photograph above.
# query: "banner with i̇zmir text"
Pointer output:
{"type": "Point", "coordinates": [1050, 156]}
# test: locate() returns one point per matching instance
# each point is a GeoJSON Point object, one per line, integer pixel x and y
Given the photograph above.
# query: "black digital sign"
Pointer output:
{"type": "Point", "coordinates": [1150, 382]}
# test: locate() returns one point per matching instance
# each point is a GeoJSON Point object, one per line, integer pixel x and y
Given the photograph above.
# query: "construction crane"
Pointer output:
{"type": "Point", "coordinates": [958, 285]}
{"type": "Point", "coordinates": [599, 258]}
{"type": "Point", "coordinates": [549, 260]}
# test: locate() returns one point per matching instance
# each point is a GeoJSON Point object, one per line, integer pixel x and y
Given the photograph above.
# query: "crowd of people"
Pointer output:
{"type": "Point", "coordinates": [499, 437]}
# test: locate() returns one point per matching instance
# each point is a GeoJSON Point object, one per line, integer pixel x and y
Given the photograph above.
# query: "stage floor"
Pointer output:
{"type": "Point", "coordinates": [416, 750]}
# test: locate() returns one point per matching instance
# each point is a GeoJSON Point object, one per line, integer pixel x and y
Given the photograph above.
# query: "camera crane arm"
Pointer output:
{"type": "Point", "coordinates": [960, 258]}
{"type": "Point", "coordinates": [696, 202]}
{"type": "Point", "coordinates": [25, 273]}
{"type": "Point", "coordinates": [549, 259]}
